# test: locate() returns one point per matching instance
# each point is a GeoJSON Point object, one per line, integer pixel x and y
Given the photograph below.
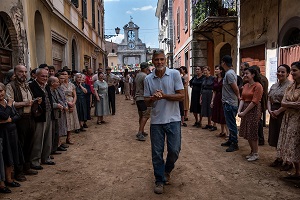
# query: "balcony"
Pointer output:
{"type": "Point", "coordinates": [211, 14]}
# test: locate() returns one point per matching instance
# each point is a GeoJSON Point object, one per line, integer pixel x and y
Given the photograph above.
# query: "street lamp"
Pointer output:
{"type": "Point", "coordinates": [160, 37]}
{"type": "Point", "coordinates": [117, 30]}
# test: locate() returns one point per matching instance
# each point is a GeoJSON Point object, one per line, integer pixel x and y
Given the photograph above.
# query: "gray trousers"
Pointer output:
{"type": "Point", "coordinates": [2, 173]}
{"type": "Point", "coordinates": [42, 141]}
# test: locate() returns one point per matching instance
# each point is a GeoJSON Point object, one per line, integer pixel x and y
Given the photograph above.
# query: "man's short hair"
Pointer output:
{"type": "Point", "coordinates": [227, 60]}
{"type": "Point", "coordinates": [144, 65]}
{"type": "Point", "coordinates": [157, 52]}
{"type": "Point", "coordinates": [42, 66]}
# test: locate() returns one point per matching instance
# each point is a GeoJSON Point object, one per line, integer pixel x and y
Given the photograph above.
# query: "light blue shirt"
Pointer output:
{"type": "Point", "coordinates": [164, 111]}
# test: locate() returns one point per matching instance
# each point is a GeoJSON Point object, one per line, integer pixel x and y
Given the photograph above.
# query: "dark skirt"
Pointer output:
{"type": "Point", "coordinates": [274, 126]}
{"type": "Point", "coordinates": [249, 123]}
{"type": "Point", "coordinates": [181, 108]}
{"type": "Point", "coordinates": [206, 99]}
{"type": "Point", "coordinates": [217, 110]}
{"type": "Point", "coordinates": [195, 101]}
{"type": "Point", "coordinates": [12, 151]}
{"type": "Point", "coordinates": [81, 107]}
{"type": "Point", "coordinates": [2, 173]}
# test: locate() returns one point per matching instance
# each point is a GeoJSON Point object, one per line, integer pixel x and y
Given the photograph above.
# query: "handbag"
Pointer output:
{"type": "Point", "coordinates": [36, 109]}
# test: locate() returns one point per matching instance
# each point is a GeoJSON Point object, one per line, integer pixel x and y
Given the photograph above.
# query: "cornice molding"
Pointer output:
{"type": "Point", "coordinates": [62, 17]}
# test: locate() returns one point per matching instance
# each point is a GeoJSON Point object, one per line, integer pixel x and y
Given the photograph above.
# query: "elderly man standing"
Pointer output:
{"type": "Point", "coordinates": [19, 91]}
{"type": "Point", "coordinates": [163, 91]}
{"type": "Point", "coordinates": [59, 105]}
{"type": "Point", "coordinates": [112, 80]}
{"type": "Point", "coordinates": [42, 140]}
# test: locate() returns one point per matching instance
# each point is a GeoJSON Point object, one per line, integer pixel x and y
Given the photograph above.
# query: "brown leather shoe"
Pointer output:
{"type": "Point", "coordinates": [30, 172]}
{"type": "Point", "coordinates": [20, 177]}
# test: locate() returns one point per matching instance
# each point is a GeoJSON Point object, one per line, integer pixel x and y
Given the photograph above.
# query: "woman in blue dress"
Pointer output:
{"type": "Point", "coordinates": [81, 106]}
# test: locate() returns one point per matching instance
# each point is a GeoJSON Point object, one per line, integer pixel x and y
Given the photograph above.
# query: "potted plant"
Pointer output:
{"type": "Point", "coordinates": [223, 9]}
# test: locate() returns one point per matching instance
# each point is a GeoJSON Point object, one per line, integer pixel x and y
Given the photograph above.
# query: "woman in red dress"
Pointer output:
{"type": "Point", "coordinates": [216, 101]}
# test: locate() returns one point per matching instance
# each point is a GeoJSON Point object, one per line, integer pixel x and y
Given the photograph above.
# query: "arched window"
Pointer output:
{"type": "Point", "coordinates": [74, 55]}
{"type": "Point", "coordinates": [292, 37]}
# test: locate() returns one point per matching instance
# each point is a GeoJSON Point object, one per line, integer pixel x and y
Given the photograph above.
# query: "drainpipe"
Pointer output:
{"type": "Point", "coordinates": [278, 17]}
{"type": "Point", "coordinates": [238, 38]}
{"type": "Point", "coordinates": [170, 18]}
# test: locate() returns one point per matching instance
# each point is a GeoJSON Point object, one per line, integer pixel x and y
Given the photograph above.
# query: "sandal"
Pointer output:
{"type": "Point", "coordinates": [98, 122]}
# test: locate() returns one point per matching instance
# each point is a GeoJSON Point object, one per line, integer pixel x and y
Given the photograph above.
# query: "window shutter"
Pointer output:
{"type": "Point", "coordinates": [93, 14]}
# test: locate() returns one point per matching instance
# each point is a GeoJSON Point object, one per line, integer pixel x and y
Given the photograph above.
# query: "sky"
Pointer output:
{"type": "Point", "coordinates": [118, 12]}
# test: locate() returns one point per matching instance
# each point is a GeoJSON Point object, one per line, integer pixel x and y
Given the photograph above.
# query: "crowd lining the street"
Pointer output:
{"type": "Point", "coordinates": [35, 115]}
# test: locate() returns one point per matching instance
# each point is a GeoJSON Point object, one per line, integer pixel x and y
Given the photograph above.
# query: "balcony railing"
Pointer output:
{"type": "Point", "coordinates": [204, 9]}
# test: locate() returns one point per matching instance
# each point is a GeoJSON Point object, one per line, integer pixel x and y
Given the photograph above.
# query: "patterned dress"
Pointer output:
{"type": "Point", "coordinates": [62, 121]}
{"type": "Point", "coordinates": [249, 123]}
{"type": "Point", "coordinates": [72, 118]}
{"type": "Point", "coordinates": [288, 147]}
{"type": "Point", "coordinates": [276, 93]}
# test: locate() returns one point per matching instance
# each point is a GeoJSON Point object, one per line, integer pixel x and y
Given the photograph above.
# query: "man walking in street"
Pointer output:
{"type": "Point", "coordinates": [163, 91]}
{"type": "Point", "coordinates": [19, 91]}
{"type": "Point", "coordinates": [112, 80]}
{"type": "Point", "coordinates": [144, 111]}
{"type": "Point", "coordinates": [230, 98]}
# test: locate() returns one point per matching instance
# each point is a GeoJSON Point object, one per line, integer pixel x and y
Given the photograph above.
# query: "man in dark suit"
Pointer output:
{"type": "Point", "coordinates": [42, 139]}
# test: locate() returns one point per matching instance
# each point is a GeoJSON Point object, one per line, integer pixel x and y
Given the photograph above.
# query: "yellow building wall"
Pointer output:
{"type": "Point", "coordinates": [52, 22]}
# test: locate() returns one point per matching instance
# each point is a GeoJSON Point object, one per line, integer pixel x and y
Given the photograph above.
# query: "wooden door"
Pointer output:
{"type": "Point", "coordinates": [5, 62]}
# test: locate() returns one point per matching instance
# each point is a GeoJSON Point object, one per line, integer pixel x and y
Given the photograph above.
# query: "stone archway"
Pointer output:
{"type": "Point", "coordinates": [222, 49]}
{"type": "Point", "coordinates": [8, 45]}
{"type": "Point", "coordinates": [225, 50]}
{"type": "Point", "coordinates": [289, 30]}
{"type": "Point", "coordinates": [289, 41]}
{"type": "Point", "coordinates": [39, 38]}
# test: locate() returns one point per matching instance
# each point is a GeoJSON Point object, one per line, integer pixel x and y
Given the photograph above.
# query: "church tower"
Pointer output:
{"type": "Point", "coordinates": [131, 51]}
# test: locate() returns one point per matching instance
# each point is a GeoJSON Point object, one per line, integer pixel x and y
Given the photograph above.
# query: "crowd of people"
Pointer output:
{"type": "Point", "coordinates": [36, 114]}
{"type": "Point", "coordinates": [224, 96]}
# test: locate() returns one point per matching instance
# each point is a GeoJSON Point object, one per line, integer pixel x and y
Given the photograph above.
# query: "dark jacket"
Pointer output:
{"type": "Point", "coordinates": [38, 92]}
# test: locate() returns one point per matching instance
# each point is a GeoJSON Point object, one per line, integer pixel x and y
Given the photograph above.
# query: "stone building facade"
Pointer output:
{"type": "Point", "coordinates": [271, 35]}
{"type": "Point", "coordinates": [57, 32]}
{"type": "Point", "coordinates": [131, 51]}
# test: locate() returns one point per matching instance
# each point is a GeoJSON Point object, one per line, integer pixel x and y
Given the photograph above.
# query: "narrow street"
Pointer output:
{"type": "Point", "coordinates": [107, 162]}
